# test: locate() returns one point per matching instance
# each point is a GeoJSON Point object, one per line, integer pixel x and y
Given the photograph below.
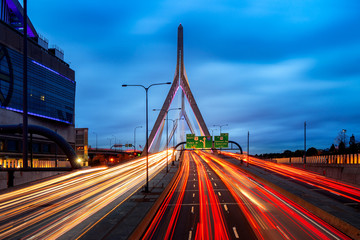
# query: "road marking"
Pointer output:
{"type": "Point", "coordinates": [219, 194]}
{"type": "Point", "coordinates": [193, 194]}
{"type": "Point", "coordinates": [215, 184]}
{"type": "Point", "coordinates": [190, 233]}
{"type": "Point", "coordinates": [209, 173]}
{"type": "Point", "coordinates": [226, 208]}
{"type": "Point", "coordinates": [212, 178]}
{"type": "Point", "coordinates": [194, 185]}
{"type": "Point", "coordinates": [192, 209]}
{"type": "Point", "coordinates": [194, 179]}
{"type": "Point", "coordinates": [235, 232]}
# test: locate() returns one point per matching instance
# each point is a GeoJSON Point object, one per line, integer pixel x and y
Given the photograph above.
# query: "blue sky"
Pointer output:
{"type": "Point", "coordinates": [259, 66]}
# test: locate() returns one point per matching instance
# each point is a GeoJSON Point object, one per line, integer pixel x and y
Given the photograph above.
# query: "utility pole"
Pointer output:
{"type": "Point", "coordinates": [305, 142]}
{"type": "Point", "coordinates": [248, 142]}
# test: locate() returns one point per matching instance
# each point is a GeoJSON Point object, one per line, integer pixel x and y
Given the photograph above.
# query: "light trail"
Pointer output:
{"type": "Point", "coordinates": [180, 183]}
{"type": "Point", "coordinates": [339, 188]}
{"type": "Point", "coordinates": [49, 209]}
{"type": "Point", "coordinates": [210, 224]}
{"type": "Point", "coordinates": [271, 215]}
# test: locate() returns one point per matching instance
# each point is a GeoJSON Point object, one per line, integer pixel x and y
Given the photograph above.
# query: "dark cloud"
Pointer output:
{"type": "Point", "coordinates": [257, 66]}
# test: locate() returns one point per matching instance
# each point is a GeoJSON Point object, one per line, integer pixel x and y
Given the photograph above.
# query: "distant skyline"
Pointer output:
{"type": "Point", "coordinates": [258, 66]}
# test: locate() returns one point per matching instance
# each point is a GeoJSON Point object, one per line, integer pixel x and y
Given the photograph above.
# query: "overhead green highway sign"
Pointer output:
{"type": "Point", "coordinates": [201, 142]}
{"type": "Point", "coordinates": [221, 141]}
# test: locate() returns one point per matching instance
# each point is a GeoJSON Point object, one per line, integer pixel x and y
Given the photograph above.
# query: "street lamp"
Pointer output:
{"type": "Point", "coordinates": [115, 141]}
{"type": "Point", "coordinates": [220, 126]}
{"type": "Point", "coordinates": [173, 120]}
{"type": "Point", "coordinates": [135, 137]}
{"type": "Point", "coordinates": [147, 126]}
{"type": "Point", "coordinates": [96, 139]}
{"type": "Point", "coordinates": [167, 134]}
{"type": "Point", "coordinates": [344, 131]}
{"type": "Point", "coordinates": [212, 132]}
{"type": "Point", "coordinates": [110, 139]}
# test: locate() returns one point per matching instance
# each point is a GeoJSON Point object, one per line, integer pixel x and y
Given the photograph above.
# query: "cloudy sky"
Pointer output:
{"type": "Point", "coordinates": [260, 66]}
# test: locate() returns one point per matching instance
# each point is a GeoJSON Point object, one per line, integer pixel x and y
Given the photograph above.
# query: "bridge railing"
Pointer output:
{"type": "Point", "coordinates": [324, 159]}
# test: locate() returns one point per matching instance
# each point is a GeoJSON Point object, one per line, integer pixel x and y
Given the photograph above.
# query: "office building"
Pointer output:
{"type": "Point", "coordinates": [51, 89]}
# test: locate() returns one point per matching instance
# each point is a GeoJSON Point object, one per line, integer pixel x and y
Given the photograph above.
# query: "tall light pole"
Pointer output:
{"type": "Point", "coordinates": [220, 126]}
{"type": "Point", "coordinates": [344, 131]}
{"type": "Point", "coordinates": [96, 139]}
{"type": "Point", "coordinates": [110, 139]}
{"type": "Point", "coordinates": [135, 137]}
{"type": "Point", "coordinates": [25, 90]}
{"type": "Point", "coordinates": [305, 142]}
{"type": "Point", "coordinates": [147, 127]}
{"type": "Point", "coordinates": [167, 134]}
{"type": "Point", "coordinates": [248, 148]}
{"type": "Point", "coordinates": [115, 141]}
{"type": "Point", "coordinates": [173, 120]}
{"type": "Point", "coordinates": [212, 132]}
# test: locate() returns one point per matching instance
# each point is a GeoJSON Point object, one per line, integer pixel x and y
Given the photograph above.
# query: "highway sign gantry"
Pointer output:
{"type": "Point", "coordinates": [199, 142]}
{"type": "Point", "coordinates": [221, 141]}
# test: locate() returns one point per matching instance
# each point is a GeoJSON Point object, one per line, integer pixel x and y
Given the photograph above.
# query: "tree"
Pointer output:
{"type": "Point", "coordinates": [341, 137]}
{"type": "Point", "coordinates": [332, 149]}
{"type": "Point", "coordinates": [299, 153]}
{"type": "Point", "coordinates": [352, 145]}
{"type": "Point", "coordinates": [341, 147]}
{"type": "Point", "coordinates": [287, 153]}
{"type": "Point", "coordinates": [312, 152]}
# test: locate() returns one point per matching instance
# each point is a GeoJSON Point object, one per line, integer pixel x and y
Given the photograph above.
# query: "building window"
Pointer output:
{"type": "Point", "coordinates": [36, 147]}
{"type": "Point", "coordinates": [12, 146]}
{"type": "Point", "coordinates": [46, 148]}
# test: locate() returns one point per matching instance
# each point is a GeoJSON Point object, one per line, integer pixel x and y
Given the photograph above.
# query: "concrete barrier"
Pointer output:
{"type": "Point", "coordinates": [343, 226]}
{"type": "Point", "coordinates": [349, 173]}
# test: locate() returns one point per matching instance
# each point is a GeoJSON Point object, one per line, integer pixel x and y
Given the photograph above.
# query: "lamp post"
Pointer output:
{"type": "Point", "coordinates": [114, 142]}
{"type": "Point", "coordinates": [25, 90]}
{"type": "Point", "coordinates": [220, 126]}
{"type": "Point", "coordinates": [110, 139]}
{"type": "Point", "coordinates": [96, 139]}
{"type": "Point", "coordinates": [212, 132]}
{"type": "Point", "coordinates": [167, 133]}
{"type": "Point", "coordinates": [344, 131]}
{"type": "Point", "coordinates": [147, 126]}
{"type": "Point", "coordinates": [173, 120]}
{"type": "Point", "coordinates": [135, 137]}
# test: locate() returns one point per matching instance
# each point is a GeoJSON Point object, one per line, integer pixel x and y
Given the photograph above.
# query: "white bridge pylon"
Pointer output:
{"type": "Point", "coordinates": [180, 82]}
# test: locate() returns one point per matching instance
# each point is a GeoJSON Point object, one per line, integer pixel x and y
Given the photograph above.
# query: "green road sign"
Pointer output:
{"type": "Point", "coordinates": [193, 141]}
{"type": "Point", "coordinates": [221, 141]}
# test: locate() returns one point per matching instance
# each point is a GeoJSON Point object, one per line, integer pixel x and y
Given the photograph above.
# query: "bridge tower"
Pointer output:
{"type": "Point", "coordinates": [180, 82]}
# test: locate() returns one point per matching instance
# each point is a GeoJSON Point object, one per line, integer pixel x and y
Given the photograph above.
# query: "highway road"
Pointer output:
{"type": "Point", "coordinates": [213, 199]}
{"type": "Point", "coordinates": [342, 192]}
{"type": "Point", "coordinates": [199, 206]}
{"type": "Point", "coordinates": [49, 209]}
